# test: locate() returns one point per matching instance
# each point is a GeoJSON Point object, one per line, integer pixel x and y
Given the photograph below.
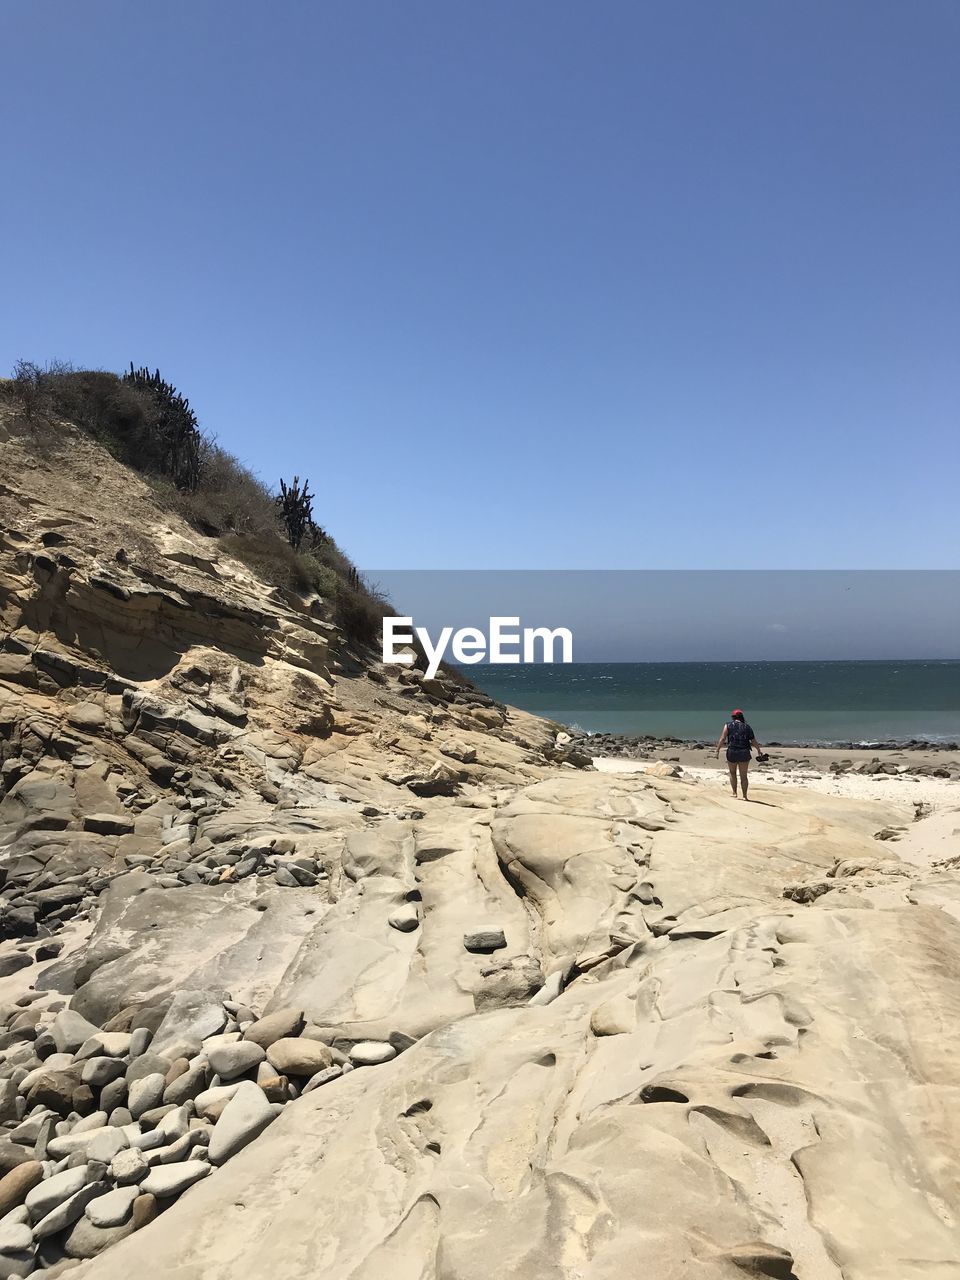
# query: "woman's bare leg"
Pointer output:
{"type": "Point", "coordinates": [743, 767]}
{"type": "Point", "coordinates": [733, 776]}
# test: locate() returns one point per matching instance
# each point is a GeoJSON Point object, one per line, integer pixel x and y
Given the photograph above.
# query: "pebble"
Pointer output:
{"type": "Point", "coordinates": [29, 1130]}
{"type": "Point", "coordinates": [65, 1214]}
{"type": "Point", "coordinates": [150, 1119]}
{"type": "Point", "coordinates": [187, 1085]}
{"type": "Point", "coordinates": [191, 1017]}
{"type": "Point", "coordinates": [216, 1097]}
{"type": "Point", "coordinates": [241, 1012]}
{"type": "Point", "coordinates": [73, 1143]}
{"type": "Point", "coordinates": [369, 1053]}
{"type": "Point", "coordinates": [177, 1150]}
{"type": "Point", "coordinates": [145, 1094]}
{"type": "Point", "coordinates": [47, 1131]}
{"type": "Point", "coordinates": [106, 1144]}
{"type": "Point", "coordinates": [179, 1067]}
{"type": "Point", "coordinates": [108, 1044]}
{"type": "Point", "coordinates": [14, 1236]}
{"type": "Point", "coordinates": [139, 1040]}
{"type": "Point", "coordinates": [17, 1263]}
{"type": "Point", "coordinates": [148, 1064]}
{"type": "Point", "coordinates": [100, 1071]}
{"type": "Point", "coordinates": [95, 1120]}
{"type": "Point", "coordinates": [550, 989]}
{"type": "Point", "coordinates": [114, 1095]}
{"type": "Point", "coordinates": [323, 1077]}
{"type": "Point", "coordinates": [216, 1042]}
{"type": "Point", "coordinates": [144, 1211]}
{"type": "Point", "coordinates": [299, 1057]}
{"type": "Point", "coordinates": [46, 1195]}
{"type": "Point", "coordinates": [57, 1062]}
{"type": "Point", "coordinates": [232, 1060]}
{"type": "Point", "coordinates": [279, 1025]}
{"type": "Point", "coordinates": [129, 1166]}
{"type": "Point", "coordinates": [146, 1141]}
{"type": "Point", "coordinates": [70, 1030]}
{"type": "Point", "coordinates": [12, 1154]}
{"type": "Point", "coordinates": [87, 1241]}
{"type": "Point", "coordinates": [406, 919]}
{"type": "Point", "coordinates": [171, 1179]}
{"type": "Point", "coordinates": [485, 941]}
{"type": "Point", "coordinates": [175, 1123]}
{"type": "Point", "coordinates": [244, 1118]}
{"type": "Point", "coordinates": [113, 1209]}
{"type": "Point", "coordinates": [18, 1183]}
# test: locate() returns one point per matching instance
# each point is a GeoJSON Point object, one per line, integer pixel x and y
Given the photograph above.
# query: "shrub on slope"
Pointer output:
{"type": "Point", "coordinates": [149, 426]}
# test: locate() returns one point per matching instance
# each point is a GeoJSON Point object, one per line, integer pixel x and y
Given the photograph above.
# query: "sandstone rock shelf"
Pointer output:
{"type": "Point", "coordinates": [312, 968]}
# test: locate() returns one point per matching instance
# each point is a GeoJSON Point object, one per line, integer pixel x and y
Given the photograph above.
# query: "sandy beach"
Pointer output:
{"type": "Point", "coordinates": [928, 808]}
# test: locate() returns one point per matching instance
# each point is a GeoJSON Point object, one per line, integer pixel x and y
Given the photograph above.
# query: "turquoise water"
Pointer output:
{"type": "Point", "coordinates": [789, 702]}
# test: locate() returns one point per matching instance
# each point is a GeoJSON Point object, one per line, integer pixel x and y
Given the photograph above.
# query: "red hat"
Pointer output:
{"type": "Point", "coordinates": [736, 712]}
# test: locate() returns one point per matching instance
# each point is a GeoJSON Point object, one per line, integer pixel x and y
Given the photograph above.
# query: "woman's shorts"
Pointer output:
{"type": "Point", "coordinates": [738, 757]}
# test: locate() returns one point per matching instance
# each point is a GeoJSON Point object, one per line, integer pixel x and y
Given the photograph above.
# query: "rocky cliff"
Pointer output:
{"type": "Point", "coordinates": [316, 968]}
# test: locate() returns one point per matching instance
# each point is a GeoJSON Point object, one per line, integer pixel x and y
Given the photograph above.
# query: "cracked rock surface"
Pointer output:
{"type": "Point", "coordinates": [310, 970]}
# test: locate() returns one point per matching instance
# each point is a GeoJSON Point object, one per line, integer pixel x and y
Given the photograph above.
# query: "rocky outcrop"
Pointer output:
{"type": "Point", "coordinates": [316, 969]}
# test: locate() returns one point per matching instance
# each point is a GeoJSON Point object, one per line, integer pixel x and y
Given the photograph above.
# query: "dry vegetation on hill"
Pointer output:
{"type": "Point", "coordinates": [147, 424]}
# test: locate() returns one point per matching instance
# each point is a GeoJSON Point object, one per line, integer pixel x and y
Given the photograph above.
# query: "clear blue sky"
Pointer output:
{"type": "Point", "coordinates": [534, 284]}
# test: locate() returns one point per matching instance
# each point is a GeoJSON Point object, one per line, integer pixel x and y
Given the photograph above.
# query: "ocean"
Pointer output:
{"type": "Point", "coordinates": [809, 703]}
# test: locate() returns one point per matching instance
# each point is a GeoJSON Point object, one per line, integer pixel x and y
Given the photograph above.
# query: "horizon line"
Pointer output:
{"type": "Point", "coordinates": [656, 662]}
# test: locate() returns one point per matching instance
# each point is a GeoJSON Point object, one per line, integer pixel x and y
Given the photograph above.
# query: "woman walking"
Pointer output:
{"type": "Point", "coordinates": [739, 738]}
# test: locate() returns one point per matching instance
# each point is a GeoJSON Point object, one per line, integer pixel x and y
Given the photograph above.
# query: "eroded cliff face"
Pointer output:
{"type": "Point", "coordinates": [371, 982]}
